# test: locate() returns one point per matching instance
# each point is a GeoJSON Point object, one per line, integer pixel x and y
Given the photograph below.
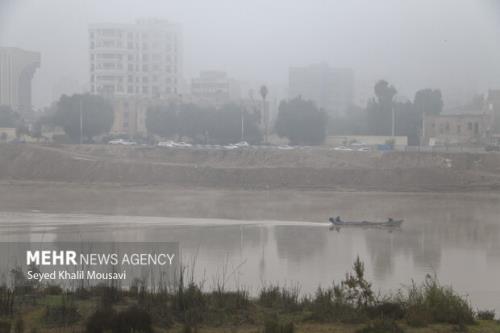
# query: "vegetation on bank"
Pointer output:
{"type": "Point", "coordinates": [348, 306]}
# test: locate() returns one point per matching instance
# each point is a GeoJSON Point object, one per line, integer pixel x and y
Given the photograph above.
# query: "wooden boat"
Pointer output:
{"type": "Point", "coordinates": [389, 223]}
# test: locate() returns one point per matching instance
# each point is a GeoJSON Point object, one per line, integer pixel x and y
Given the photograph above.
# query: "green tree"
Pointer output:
{"type": "Point", "coordinates": [301, 122]}
{"type": "Point", "coordinates": [93, 112]}
{"type": "Point", "coordinates": [224, 125]}
{"type": "Point", "coordinates": [408, 122]}
{"type": "Point", "coordinates": [428, 101]}
{"type": "Point", "coordinates": [192, 122]}
{"type": "Point", "coordinates": [162, 120]}
{"type": "Point", "coordinates": [8, 118]}
{"type": "Point", "coordinates": [379, 110]}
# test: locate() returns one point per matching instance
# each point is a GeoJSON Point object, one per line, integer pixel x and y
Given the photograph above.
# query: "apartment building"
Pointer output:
{"type": "Point", "coordinates": [331, 89]}
{"type": "Point", "coordinates": [134, 64]}
{"type": "Point", "coordinates": [17, 68]}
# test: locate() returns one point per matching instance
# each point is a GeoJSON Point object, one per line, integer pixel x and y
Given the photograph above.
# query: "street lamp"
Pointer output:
{"type": "Point", "coordinates": [263, 93]}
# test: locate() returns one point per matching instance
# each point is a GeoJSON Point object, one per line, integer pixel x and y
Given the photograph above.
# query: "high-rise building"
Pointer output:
{"type": "Point", "coordinates": [17, 68]}
{"type": "Point", "coordinates": [135, 64]}
{"type": "Point", "coordinates": [331, 89]}
{"type": "Point", "coordinates": [141, 59]}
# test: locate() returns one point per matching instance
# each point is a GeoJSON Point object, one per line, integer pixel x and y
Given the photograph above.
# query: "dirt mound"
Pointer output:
{"type": "Point", "coordinates": [249, 168]}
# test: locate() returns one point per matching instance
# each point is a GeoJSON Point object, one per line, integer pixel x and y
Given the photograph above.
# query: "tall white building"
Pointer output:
{"type": "Point", "coordinates": [331, 89]}
{"type": "Point", "coordinates": [17, 68]}
{"type": "Point", "coordinates": [135, 65]}
{"type": "Point", "coordinates": [136, 60]}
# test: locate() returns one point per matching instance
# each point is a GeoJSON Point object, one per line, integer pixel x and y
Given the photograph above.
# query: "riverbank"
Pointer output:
{"type": "Point", "coordinates": [251, 169]}
{"type": "Point", "coordinates": [348, 306]}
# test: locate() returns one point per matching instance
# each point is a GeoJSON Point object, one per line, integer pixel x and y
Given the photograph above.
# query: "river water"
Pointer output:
{"type": "Point", "coordinates": [458, 240]}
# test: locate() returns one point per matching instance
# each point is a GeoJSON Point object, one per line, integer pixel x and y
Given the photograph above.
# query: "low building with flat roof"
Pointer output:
{"type": "Point", "coordinates": [456, 129]}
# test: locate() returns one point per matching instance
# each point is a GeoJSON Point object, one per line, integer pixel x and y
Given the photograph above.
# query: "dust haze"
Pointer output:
{"type": "Point", "coordinates": [452, 45]}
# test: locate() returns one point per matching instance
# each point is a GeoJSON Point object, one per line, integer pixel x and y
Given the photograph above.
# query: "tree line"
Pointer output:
{"type": "Point", "coordinates": [376, 118]}
{"type": "Point", "coordinates": [204, 125]}
{"type": "Point", "coordinates": [85, 116]}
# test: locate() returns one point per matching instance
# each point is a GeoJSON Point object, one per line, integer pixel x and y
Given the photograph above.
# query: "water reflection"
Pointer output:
{"type": "Point", "coordinates": [458, 240]}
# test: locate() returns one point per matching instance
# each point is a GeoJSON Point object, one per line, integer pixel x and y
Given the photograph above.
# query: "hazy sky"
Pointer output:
{"type": "Point", "coordinates": [448, 44]}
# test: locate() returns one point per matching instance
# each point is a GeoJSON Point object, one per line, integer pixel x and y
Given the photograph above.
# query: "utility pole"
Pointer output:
{"type": "Point", "coordinates": [263, 94]}
{"type": "Point", "coordinates": [393, 131]}
{"type": "Point", "coordinates": [242, 122]}
{"type": "Point", "coordinates": [81, 121]}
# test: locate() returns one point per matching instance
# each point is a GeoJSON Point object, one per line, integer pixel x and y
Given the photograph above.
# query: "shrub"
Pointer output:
{"type": "Point", "coordinates": [432, 302]}
{"type": "Point", "coordinates": [19, 325]}
{"type": "Point", "coordinates": [53, 290]}
{"type": "Point", "coordinates": [61, 314]}
{"type": "Point", "coordinates": [329, 305]}
{"type": "Point", "coordinates": [158, 306]}
{"type": "Point", "coordinates": [189, 304]}
{"type": "Point", "coordinates": [348, 301]}
{"type": "Point", "coordinates": [7, 297]}
{"type": "Point", "coordinates": [283, 298]}
{"type": "Point", "coordinates": [355, 289]}
{"type": "Point", "coordinates": [387, 309]}
{"type": "Point", "coordinates": [418, 316]}
{"type": "Point", "coordinates": [132, 319]}
{"type": "Point", "coordinates": [230, 300]}
{"type": "Point", "coordinates": [101, 320]}
{"type": "Point", "coordinates": [274, 326]}
{"type": "Point", "coordinates": [486, 315]}
{"type": "Point", "coordinates": [5, 326]}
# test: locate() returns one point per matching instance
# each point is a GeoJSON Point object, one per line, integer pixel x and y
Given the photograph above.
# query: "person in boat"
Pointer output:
{"type": "Point", "coordinates": [390, 220]}
{"type": "Point", "coordinates": [337, 219]}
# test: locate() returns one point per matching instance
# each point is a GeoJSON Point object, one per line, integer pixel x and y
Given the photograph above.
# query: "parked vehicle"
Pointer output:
{"type": "Point", "coordinates": [182, 144]}
{"type": "Point", "coordinates": [242, 144]}
{"type": "Point", "coordinates": [122, 142]}
{"type": "Point", "coordinates": [342, 148]}
{"type": "Point", "coordinates": [168, 144]}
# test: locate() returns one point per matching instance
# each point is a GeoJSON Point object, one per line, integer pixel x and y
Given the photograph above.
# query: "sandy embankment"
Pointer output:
{"type": "Point", "coordinates": [258, 184]}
